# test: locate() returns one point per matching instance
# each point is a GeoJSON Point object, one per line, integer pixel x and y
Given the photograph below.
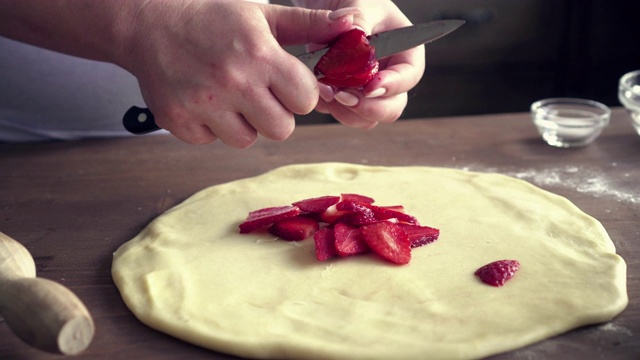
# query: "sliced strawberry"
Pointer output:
{"type": "Point", "coordinates": [356, 207]}
{"type": "Point", "coordinates": [384, 213]}
{"type": "Point", "coordinates": [295, 228]}
{"type": "Point", "coordinates": [356, 219]}
{"type": "Point", "coordinates": [357, 198]}
{"type": "Point", "coordinates": [324, 240]}
{"type": "Point", "coordinates": [356, 213]}
{"type": "Point", "coordinates": [264, 217]}
{"type": "Point", "coordinates": [318, 204]}
{"type": "Point", "coordinates": [349, 62]}
{"type": "Point", "coordinates": [315, 216]}
{"type": "Point", "coordinates": [355, 226]}
{"type": "Point", "coordinates": [420, 235]}
{"type": "Point", "coordinates": [497, 272]}
{"type": "Point", "coordinates": [349, 240]}
{"type": "Point", "coordinates": [389, 241]}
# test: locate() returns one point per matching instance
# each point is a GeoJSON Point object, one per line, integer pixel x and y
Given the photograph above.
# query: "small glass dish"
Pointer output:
{"type": "Point", "coordinates": [629, 96]}
{"type": "Point", "coordinates": [569, 122]}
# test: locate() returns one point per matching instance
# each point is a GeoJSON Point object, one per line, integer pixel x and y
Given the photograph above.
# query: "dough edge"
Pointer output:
{"type": "Point", "coordinates": [346, 172]}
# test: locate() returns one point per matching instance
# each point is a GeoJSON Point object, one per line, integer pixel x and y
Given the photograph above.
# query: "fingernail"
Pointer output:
{"type": "Point", "coordinates": [340, 13]}
{"type": "Point", "coordinates": [346, 99]}
{"type": "Point", "coordinates": [326, 93]}
{"type": "Point", "coordinates": [376, 93]}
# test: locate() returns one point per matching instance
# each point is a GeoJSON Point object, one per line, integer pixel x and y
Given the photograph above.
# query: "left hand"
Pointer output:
{"type": "Point", "coordinates": [384, 99]}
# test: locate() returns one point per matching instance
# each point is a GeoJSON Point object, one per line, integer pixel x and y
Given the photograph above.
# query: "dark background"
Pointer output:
{"type": "Point", "coordinates": [511, 53]}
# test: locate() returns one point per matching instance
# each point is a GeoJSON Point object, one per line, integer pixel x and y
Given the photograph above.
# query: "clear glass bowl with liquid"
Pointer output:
{"type": "Point", "coordinates": [629, 96]}
{"type": "Point", "coordinates": [569, 122]}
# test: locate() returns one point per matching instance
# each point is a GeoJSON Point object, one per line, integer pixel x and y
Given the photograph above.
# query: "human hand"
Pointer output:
{"type": "Point", "coordinates": [384, 98]}
{"type": "Point", "coordinates": [216, 69]}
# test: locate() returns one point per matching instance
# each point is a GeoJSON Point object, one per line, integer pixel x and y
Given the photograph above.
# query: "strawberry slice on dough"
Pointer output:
{"type": "Point", "coordinates": [324, 240]}
{"type": "Point", "coordinates": [389, 241]}
{"type": "Point", "coordinates": [420, 235]}
{"type": "Point", "coordinates": [349, 240]}
{"type": "Point", "coordinates": [262, 218]}
{"type": "Point", "coordinates": [317, 204]}
{"type": "Point", "coordinates": [353, 226]}
{"type": "Point", "coordinates": [498, 272]}
{"type": "Point", "coordinates": [294, 228]}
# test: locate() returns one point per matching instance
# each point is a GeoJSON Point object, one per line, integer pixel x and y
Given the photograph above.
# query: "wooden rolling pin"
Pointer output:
{"type": "Point", "coordinates": [43, 313]}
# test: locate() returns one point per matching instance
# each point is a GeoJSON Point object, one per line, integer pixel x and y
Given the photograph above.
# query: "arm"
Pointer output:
{"type": "Point", "coordinates": [78, 28]}
{"type": "Point", "coordinates": [208, 69]}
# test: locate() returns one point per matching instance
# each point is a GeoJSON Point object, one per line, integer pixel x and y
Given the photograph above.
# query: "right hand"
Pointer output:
{"type": "Point", "coordinates": [216, 69]}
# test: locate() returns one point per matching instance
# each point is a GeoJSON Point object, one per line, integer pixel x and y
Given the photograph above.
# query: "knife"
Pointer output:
{"type": "Point", "coordinates": [141, 121]}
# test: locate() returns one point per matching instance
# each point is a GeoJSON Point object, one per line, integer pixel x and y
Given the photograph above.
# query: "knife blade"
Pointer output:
{"type": "Point", "coordinates": [139, 120]}
{"type": "Point", "coordinates": [394, 41]}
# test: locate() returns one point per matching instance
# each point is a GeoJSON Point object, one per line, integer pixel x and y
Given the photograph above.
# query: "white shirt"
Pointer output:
{"type": "Point", "coordinates": [48, 95]}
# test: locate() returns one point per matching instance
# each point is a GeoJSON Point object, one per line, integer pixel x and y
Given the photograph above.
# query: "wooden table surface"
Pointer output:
{"type": "Point", "coordinates": [72, 204]}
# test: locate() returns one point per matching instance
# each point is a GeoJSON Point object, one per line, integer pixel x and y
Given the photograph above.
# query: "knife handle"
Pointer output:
{"type": "Point", "coordinates": [139, 121]}
{"type": "Point", "coordinates": [41, 312]}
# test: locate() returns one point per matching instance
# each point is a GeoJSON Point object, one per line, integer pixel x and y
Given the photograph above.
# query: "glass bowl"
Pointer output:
{"type": "Point", "coordinates": [629, 96]}
{"type": "Point", "coordinates": [569, 122]}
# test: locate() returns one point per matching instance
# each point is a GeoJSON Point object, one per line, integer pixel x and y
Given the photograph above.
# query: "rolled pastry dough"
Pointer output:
{"type": "Point", "coordinates": [190, 274]}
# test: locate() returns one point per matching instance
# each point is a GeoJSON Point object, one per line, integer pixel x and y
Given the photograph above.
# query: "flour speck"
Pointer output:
{"type": "Point", "coordinates": [592, 181]}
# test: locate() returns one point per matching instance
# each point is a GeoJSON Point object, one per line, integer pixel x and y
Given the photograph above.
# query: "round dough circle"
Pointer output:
{"type": "Point", "coordinates": [190, 274]}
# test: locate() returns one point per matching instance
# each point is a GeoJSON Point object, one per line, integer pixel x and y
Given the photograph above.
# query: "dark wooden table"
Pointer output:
{"type": "Point", "coordinates": [72, 204]}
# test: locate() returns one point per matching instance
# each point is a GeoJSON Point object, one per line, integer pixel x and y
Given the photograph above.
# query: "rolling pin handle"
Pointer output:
{"type": "Point", "coordinates": [46, 315]}
{"type": "Point", "coordinates": [41, 312]}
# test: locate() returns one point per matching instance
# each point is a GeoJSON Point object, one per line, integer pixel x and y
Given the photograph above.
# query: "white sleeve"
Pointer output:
{"type": "Point", "coordinates": [48, 95]}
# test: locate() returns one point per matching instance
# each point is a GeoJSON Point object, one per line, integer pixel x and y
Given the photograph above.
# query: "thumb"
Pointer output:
{"type": "Point", "coordinates": [297, 26]}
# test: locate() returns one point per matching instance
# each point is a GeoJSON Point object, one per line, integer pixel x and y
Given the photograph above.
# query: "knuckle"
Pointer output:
{"type": "Point", "coordinates": [281, 133]}
{"type": "Point", "coordinates": [200, 137]}
{"type": "Point", "coordinates": [244, 141]}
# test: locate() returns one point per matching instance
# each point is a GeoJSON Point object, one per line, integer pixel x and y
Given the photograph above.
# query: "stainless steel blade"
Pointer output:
{"type": "Point", "coordinates": [311, 59]}
{"type": "Point", "coordinates": [397, 40]}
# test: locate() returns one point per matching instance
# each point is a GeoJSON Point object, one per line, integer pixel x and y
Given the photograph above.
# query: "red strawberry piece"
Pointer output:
{"type": "Point", "coordinates": [398, 208]}
{"type": "Point", "coordinates": [357, 213]}
{"type": "Point", "coordinates": [318, 204]}
{"type": "Point", "coordinates": [420, 235]}
{"type": "Point", "coordinates": [262, 218]}
{"type": "Point", "coordinates": [384, 213]}
{"type": "Point", "coordinates": [349, 62]}
{"type": "Point", "coordinates": [356, 207]}
{"type": "Point", "coordinates": [295, 228]}
{"type": "Point", "coordinates": [356, 219]}
{"type": "Point", "coordinates": [497, 272]}
{"type": "Point", "coordinates": [324, 240]}
{"type": "Point", "coordinates": [389, 241]}
{"type": "Point", "coordinates": [357, 198]}
{"type": "Point", "coordinates": [312, 215]}
{"type": "Point", "coordinates": [349, 240]}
